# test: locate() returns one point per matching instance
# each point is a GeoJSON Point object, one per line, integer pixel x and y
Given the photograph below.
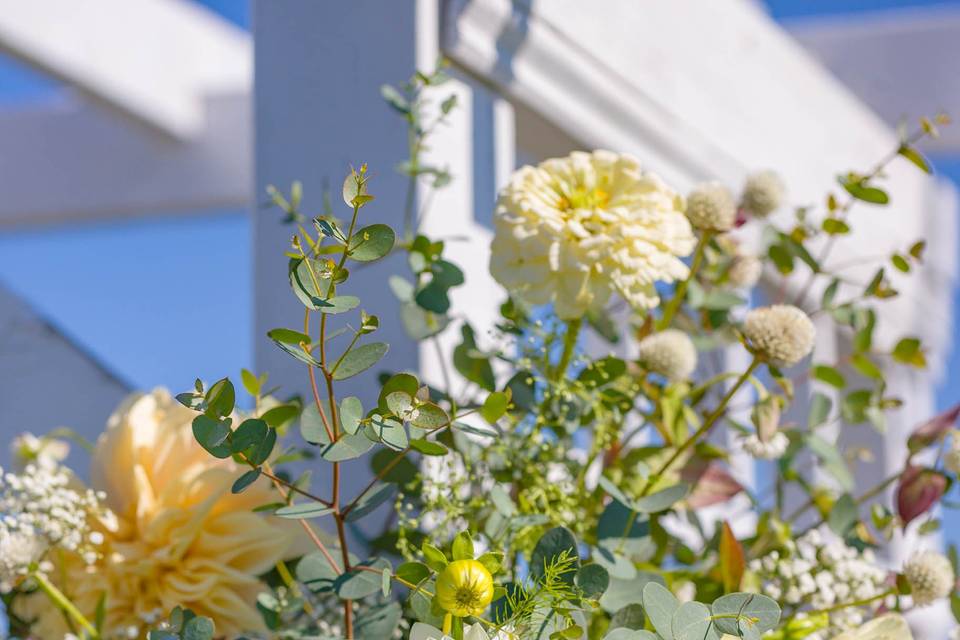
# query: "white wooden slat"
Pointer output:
{"type": "Point", "coordinates": [153, 60]}
{"type": "Point", "coordinates": [70, 161]}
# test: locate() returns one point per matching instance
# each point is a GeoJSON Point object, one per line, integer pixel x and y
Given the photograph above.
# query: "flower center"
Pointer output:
{"type": "Point", "coordinates": [468, 597]}
{"type": "Point", "coordinates": [583, 198]}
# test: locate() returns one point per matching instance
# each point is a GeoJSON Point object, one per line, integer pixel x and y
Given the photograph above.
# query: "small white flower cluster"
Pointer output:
{"type": "Point", "coordinates": [781, 334]}
{"type": "Point", "coordinates": [820, 571]}
{"type": "Point", "coordinates": [669, 353]}
{"type": "Point", "coordinates": [39, 510]}
{"type": "Point", "coordinates": [931, 577]}
{"type": "Point", "coordinates": [770, 449]}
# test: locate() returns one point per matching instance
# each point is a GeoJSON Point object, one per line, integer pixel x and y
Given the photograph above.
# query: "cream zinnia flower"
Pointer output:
{"type": "Point", "coordinates": [669, 353]}
{"type": "Point", "coordinates": [710, 207]}
{"type": "Point", "coordinates": [930, 575]}
{"type": "Point", "coordinates": [178, 535]}
{"type": "Point", "coordinates": [782, 334]}
{"type": "Point", "coordinates": [575, 230]}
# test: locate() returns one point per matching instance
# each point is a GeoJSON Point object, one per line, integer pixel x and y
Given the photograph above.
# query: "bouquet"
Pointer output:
{"type": "Point", "coordinates": [543, 490]}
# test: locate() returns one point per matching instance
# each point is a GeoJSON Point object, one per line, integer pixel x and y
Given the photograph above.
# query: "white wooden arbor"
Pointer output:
{"type": "Point", "coordinates": [166, 118]}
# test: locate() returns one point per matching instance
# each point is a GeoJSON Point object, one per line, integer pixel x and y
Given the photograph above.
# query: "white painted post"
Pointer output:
{"type": "Point", "coordinates": [319, 68]}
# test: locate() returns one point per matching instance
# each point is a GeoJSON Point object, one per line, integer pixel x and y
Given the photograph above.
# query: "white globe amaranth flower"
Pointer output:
{"type": "Point", "coordinates": [770, 449]}
{"type": "Point", "coordinates": [745, 271]}
{"type": "Point", "coordinates": [782, 335]}
{"type": "Point", "coordinates": [930, 575]}
{"type": "Point", "coordinates": [763, 193]}
{"type": "Point", "coordinates": [669, 353]}
{"type": "Point", "coordinates": [575, 230]}
{"type": "Point", "coordinates": [710, 207]}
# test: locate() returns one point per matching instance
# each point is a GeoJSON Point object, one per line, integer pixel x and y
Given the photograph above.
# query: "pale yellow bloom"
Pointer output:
{"type": "Point", "coordinates": [889, 627]}
{"type": "Point", "coordinates": [464, 588]}
{"type": "Point", "coordinates": [575, 230]}
{"type": "Point", "coordinates": [177, 535]}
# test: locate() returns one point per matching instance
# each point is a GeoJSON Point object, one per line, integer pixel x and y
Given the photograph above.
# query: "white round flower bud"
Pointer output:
{"type": "Point", "coordinates": [930, 575]}
{"type": "Point", "coordinates": [782, 334]}
{"type": "Point", "coordinates": [772, 449]}
{"type": "Point", "coordinates": [669, 353]}
{"type": "Point", "coordinates": [763, 193]}
{"type": "Point", "coordinates": [745, 271]}
{"type": "Point", "coordinates": [710, 207]}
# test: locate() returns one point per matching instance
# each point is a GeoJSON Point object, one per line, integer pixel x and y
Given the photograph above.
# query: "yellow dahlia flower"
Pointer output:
{"type": "Point", "coordinates": [176, 536]}
{"type": "Point", "coordinates": [574, 230]}
{"type": "Point", "coordinates": [464, 588]}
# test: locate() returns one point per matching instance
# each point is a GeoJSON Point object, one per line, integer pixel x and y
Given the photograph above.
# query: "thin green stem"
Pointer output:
{"type": "Point", "coordinates": [569, 346]}
{"type": "Point", "coordinates": [681, 291]}
{"type": "Point", "coordinates": [64, 604]}
{"type": "Point", "coordinates": [704, 429]}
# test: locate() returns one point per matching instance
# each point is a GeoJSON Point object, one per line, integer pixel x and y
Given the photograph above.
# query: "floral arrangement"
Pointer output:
{"type": "Point", "coordinates": [542, 491]}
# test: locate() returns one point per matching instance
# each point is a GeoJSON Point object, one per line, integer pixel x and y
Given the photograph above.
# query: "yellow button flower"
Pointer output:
{"type": "Point", "coordinates": [464, 588]}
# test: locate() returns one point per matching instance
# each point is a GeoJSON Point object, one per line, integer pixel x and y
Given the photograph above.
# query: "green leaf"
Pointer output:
{"type": "Point", "coordinates": [909, 351]}
{"type": "Point", "coordinates": [220, 399]}
{"type": "Point", "coordinates": [629, 617]}
{"type": "Point", "coordinates": [434, 557]}
{"type": "Point", "coordinates": [314, 572]}
{"type": "Point", "coordinates": [212, 435]}
{"type": "Point", "coordinates": [469, 364]}
{"type": "Point", "coordinates": [388, 431]}
{"type": "Point", "coordinates": [370, 501]}
{"type": "Point", "coordinates": [430, 416]}
{"type": "Point", "coordinates": [340, 304]}
{"type": "Point", "coordinates": [250, 382]}
{"type": "Point", "coordinates": [551, 545]}
{"type": "Point", "coordinates": [413, 572]}
{"type": "Point", "coordinates": [494, 406]}
{"type": "Point", "coordinates": [198, 628]}
{"type": "Point", "coordinates": [915, 157]}
{"type": "Point", "coordinates": [662, 500]}
{"type": "Point", "coordinates": [757, 614]}
{"type": "Point", "coordinates": [351, 412]}
{"type": "Point", "coordinates": [593, 580]}
{"type": "Point", "coordinates": [630, 634]}
{"type": "Point", "coordinates": [280, 415]}
{"type": "Point", "coordinates": [692, 621]}
{"type": "Point", "coordinates": [820, 406]}
{"type": "Point", "coordinates": [398, 102]}
{"type": "Point", "coordinates": [428, 447]}
{"type": "Point", "coordinates": [288, 336]}
{"type": "Point", "coordinates": [359, 359]}
{"type": "Point", "coordinates": [492, 560]}
{"type": "Point", "coordinates": [304, 510]}
{"type": "Point", "coordinates": [401, 471]}
{"type": "Point", "coordinates": [348, 447]}
{"type": "Point", "coordinates": [378, 621]}
{"type": "Point", "coordinates": [660, 605]}
{"type": "Point", "coordinates": [463, 546]}
{"type": "Point", "coordinates": [311, 426]}
{"type": "Point", "coordinates": [843, 515]}
{"type": "Point", "coordinates": [245, 480]}
{"type": "Point", "coordinates": [829, 375]}
{"type": "Point", "coordinates": [299, 353]}
{"type": "Point", "coordinates": [832, 460]}
{"type": "Point", "coordinates": [835, 226]}
{"type": "Point", "coordinates": [622, 592]}
{"type": "Point", "coordinates": [371, 243]}
{"type": "Point", "coordinates": [865, 366]}
{"type": "Point", "coordinates": [249, 434]}
{"type": "Point", "coordinates": [400, 403]}
{"type": "Point", "coordinates": [359, 583]}
{"type": "Point", "coordinates": [859, 189]}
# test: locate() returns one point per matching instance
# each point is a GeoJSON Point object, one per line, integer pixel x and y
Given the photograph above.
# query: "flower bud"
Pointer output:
{"type": "Point", "coordinates": [669, 353]}
{"type": "Point", "coordinates": [782, 334]}
{"type": "Point", "coordinates": [710, 207]}
{"type": "Point", "coordinates": [762, 194]}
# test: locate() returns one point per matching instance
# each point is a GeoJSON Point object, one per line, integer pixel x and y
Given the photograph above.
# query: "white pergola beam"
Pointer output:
{"type": "Point", "coordinates": [70, 162]}
{"type": "Point", "coordinates": [900, 62]}
{"type": "Point", "coordinates": [153, 60]}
